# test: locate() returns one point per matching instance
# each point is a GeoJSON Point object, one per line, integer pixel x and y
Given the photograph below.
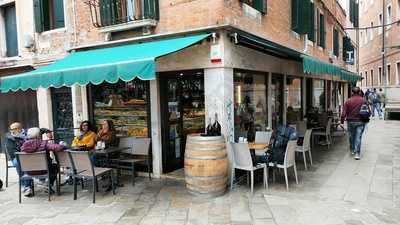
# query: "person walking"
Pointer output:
{"type": "Point", "coordinates": [382, 100]}
{"type": "Point", "coordinates": [356, 112]}
{"type": "Point", "coordinates": [375, 103]}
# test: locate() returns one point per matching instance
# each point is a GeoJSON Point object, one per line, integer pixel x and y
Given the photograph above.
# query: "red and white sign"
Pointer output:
{"type": "Point", "coordinates": [216, 54]}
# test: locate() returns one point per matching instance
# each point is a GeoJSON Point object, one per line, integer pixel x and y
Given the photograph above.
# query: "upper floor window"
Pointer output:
{"type": "Point", "coordinates": [259, 5]}
{"type": "Point", "coordinates": [398, 9]}
{"type": "Point", "coordinates": [49, 14]}
{"type": "Point", "coordinates": [303, 18]}
{"type": "Point", "coordinates": [380, 23]}
{"type": "Point", "coordinates": [321, 30]}
{"type": "Point", "coordinates": [335, 38]}
{"type": "Point", "coordinates": [371, 32]}
{"type": "Point", "coordinates": [8, 18]}
{"type": "Point", "coordinates": [389, 16]}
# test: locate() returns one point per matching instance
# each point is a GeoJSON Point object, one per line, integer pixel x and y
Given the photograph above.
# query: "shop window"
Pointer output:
{"type": "Point", "coordinates": [125, 103]}
{"type": "Point", "coordinates": [250, 93]}
{"type": "Point", "coordinates": [49, 14]}
{"type": "Point", "coordinates": [294, 101]}
{"type": "Point", "coordinates": [318, 95]}
{"type": "Point", "coordinates": [259, 5]}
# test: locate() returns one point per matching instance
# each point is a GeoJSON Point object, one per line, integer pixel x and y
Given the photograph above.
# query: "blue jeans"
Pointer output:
{"type": "Point", "coordinates": [24, 183]}
{"type": "Point", "coordinates": [376, 106]}
{"type": "Point", "coordinates": [355, 131]}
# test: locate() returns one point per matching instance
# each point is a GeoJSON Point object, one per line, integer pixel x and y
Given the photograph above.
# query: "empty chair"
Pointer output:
{"type": "Point", "coordinates": [63, 162]}
{"type": "Point", "coordinates": [288, 161]}
{"type": "Point", "coordinates": [138, 153]}
{"type": "Point", "coordinates": [33, 162]}
{"type": "Point", "coordinates": [126, 142]}
{"type": "Point", "coordinates": [242, 161]}
{"type": "Point", "coordinates": [83, 168]}
{"type": "Point", "coordinates": [325, 133]}
{"type": "Point", "coordinates": [306, 147]}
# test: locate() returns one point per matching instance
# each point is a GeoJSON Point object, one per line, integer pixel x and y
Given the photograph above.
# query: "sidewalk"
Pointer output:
{"type": "Point", "coordinates": [337, 190]}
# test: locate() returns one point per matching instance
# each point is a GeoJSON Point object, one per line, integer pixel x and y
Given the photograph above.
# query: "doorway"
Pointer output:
{"type": "Point", "coordinates": [182, 113]}
{"type": "Point", "coordinates": [62, 114]}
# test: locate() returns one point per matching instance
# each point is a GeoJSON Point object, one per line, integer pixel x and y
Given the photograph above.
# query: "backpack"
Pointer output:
{"type": "Point", "coordinates": [374, 98]}
{"type": "Point", "coordinates": [364, 113]}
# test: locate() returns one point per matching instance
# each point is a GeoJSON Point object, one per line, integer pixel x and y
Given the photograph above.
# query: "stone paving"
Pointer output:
{"type": "Point", "coordinates": [337, 190]}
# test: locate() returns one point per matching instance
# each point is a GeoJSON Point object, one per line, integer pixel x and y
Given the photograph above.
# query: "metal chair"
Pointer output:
{"type": "Point", "coordinates": [242, 161]}
{"type": "Point", "coordinates": [325, 133]}
{"type": "Point", "coordinates": [83, 168]}
{"type": "Point", "coordinates": [33, 162]}
{"type": "Point", "coordinates": [306, 147]}
{"type": "Point", "coordinates": [8, 161]}
{"type": "Point", "coordinates": [138, 153]}
{"type": "Point", "coordinates": [288, 161]}
{"type": "Point", "coordinates": [63, 161]}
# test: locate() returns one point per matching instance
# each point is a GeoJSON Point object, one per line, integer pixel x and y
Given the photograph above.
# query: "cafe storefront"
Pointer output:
{"type": "Point", "coordinates": [168, 88]}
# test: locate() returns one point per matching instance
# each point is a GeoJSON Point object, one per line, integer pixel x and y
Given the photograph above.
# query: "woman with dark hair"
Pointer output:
{"type": "Point", "coordinates": [107, 133]}
{"type": "Point", "coordinates": [87, 137]}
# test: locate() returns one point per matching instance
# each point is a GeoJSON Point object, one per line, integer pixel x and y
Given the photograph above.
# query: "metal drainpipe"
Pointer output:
{"type": "Point", "coordinates": [383, 45]}
{"type": "Point", "coordinates": [74, 21]}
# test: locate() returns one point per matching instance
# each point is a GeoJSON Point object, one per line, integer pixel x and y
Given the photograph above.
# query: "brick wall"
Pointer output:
{"type": "Point", "coordinates": [370, 51]}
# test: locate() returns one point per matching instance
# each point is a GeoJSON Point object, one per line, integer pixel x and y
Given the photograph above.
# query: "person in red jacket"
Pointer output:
{"type": "Point", "coordinates": [34, 143]}
{"type": "Point", "coordinates": [355, 123]}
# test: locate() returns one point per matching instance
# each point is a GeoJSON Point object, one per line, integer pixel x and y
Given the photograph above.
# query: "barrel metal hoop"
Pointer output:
{"type": "Point", "coordinates": [206, 178]}
{"type": "Point", "coordinates": [206, 158]}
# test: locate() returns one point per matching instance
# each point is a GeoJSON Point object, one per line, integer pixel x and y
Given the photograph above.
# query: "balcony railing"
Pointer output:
{"type": "Point", "coordinates": [113, 12]}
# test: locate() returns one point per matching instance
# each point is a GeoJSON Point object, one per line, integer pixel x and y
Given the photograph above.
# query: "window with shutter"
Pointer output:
{"type": "Point", "coordinates": [335, 42]}
{"type": "Point", "coordinates": [48, 14]}
{"type": "Point", "coordinates": [259, 5]}
{"type": "Point", "coordinates": [321, 42]}
{"type": "Point", "coordinates": [311, 28]}
{"type": "Point", "coordinates": [302, 16]}
{"type": "Point", "coordinates": [295, 15]}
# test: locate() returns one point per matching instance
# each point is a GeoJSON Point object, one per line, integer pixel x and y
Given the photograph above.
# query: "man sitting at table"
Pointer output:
{"type": "Point", "coordinates": [34, 143]}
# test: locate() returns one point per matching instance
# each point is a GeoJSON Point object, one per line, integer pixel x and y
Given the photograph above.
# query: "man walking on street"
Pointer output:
{"type": "Point", "coordinates": [356, 112]}
{"type": "Point", "coordinates": [375, 103]}
{"type": "Point", "coordinates": [382, 100]}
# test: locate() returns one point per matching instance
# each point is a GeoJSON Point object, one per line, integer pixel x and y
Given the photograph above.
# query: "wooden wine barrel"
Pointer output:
{"type": "Point", "coordinates": [206, 165]}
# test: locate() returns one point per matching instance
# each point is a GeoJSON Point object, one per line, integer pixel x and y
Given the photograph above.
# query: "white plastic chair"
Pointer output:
{"type": "Point", "coordinates": [242, 161]}
{"type": "Point", "coordinates": [262, 137]}
{"type": "Point", "coordinates": [306, 147]}
{"type": "Point", "coordinates": [326, 133]}
{"type": "Point", "coordinates": [301, 127]}
{"type": "Point", "coordinates": [288, 161]}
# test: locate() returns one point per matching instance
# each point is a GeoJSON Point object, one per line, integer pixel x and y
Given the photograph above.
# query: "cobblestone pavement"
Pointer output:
{"type": "Point", "coordinates": [337, 190]}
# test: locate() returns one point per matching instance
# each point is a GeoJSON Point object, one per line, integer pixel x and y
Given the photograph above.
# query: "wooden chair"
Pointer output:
{"type": "Point", "coordinates": [242, 161]}
{"type": "Point", "coordinates": [138, 153]}
{"type": "Point", "coordinates": [33, 162]}
{"type": "Point", "coordinates": [83, 168]}
{"type": "Point", "coordinates": [288, 161]}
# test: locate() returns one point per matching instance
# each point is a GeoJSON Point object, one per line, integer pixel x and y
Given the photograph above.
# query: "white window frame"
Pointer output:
{"type": "Point", "coordinates": [397, 72]}
{"type": "Point", "coordinates": [389, 16]}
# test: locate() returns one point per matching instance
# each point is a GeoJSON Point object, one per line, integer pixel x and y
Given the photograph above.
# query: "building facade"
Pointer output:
{"type": "Point", "coordinates": [253, 65]}
{"type": "Point", "coordinates": [375, 72]}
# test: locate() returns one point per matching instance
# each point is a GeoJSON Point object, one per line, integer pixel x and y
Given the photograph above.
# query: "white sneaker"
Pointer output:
{"type": "Point", "coordinates": [357, 156]}
{"type": "Point", "coordinates": [28, 192]}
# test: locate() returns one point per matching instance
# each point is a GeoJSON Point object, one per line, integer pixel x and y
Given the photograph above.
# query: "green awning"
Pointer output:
{"type": "Point", "coordinates": [315, 66]}
{"type": "Point", "coordinates": [95, 66]}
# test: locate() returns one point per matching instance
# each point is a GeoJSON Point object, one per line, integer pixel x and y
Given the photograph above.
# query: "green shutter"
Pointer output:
{"type": "Point", "coordinates": [58, 11]}
{"type": "Point", "coordinates": [351, 10]}
{"type": "Point", "coordinates": [46, 15]}
{"type": "Point", "coordinates": [151, 10]}
{"type": "Point", "coordinates": [260, 5]}
{"type": "Point", "coordinates": [311, 30]}
{"type": "Point", "coordinates": [335, 42]}
{"type": "Point", "coordinates": [38, 15]}
{"type": "Point", "coordinates": [322, 30]}
{"type": "Point", "coordinates": [108, 12]}
{"type": "Point", "coordinates": [356, 14]}
{"type": "Point", "coordinates": [157, 10]}
{"type": "Point", "coordinates": [295, 15]}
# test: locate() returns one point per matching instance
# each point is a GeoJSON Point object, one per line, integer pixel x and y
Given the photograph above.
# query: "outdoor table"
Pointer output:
{"type": "Point", "coordinates": [106, 162]}
{"type": "Point", "coordinates": [257, 149]}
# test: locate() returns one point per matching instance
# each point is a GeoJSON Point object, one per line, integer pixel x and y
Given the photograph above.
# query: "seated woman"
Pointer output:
{"type": "Point", "coordinates": [87, 138]}
{"type": "Point", "coordinates": [107, 133]}
{"type": "Point", "coordinates": [34, 143]}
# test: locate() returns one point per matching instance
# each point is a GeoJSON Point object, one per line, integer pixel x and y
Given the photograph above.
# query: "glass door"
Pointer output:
{"type": "Point", "coordinates": [62, 114]}
{"type": "Point", "coordinates": [277, 100]}
{"type": "Point", "coordinates": [182, 107]}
